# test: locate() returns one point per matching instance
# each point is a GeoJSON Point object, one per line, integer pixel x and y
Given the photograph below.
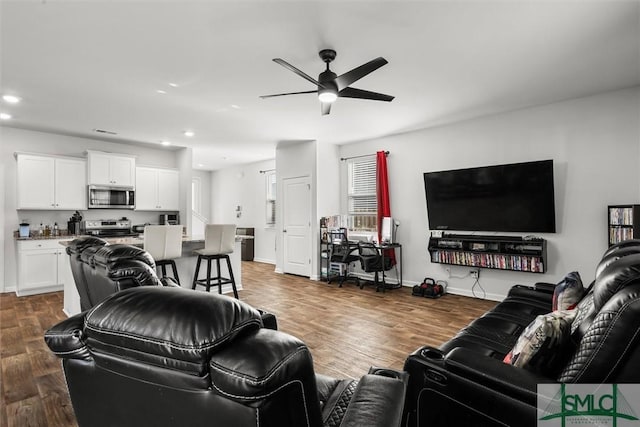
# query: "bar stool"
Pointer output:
{"type": "Point", "coordinates": [219, 242]}
{"type": "Point", "coordinates": [164, 243]}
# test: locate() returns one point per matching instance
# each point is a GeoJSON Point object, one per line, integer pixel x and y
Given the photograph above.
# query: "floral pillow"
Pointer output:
{"type": "Point", "coordinates": [543, 345]}
{"type": "Point", "coordinates": [568, 292]}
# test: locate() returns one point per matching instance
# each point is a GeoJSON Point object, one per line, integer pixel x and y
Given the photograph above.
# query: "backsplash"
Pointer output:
{"type": "Point", "coordinates": [35, 217]}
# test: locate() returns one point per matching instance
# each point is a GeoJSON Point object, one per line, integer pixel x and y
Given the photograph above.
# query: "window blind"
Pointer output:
{"type": "Point", "coordinates": [270, 181]}
{"type": "Point", "coordinates": [362, 186]}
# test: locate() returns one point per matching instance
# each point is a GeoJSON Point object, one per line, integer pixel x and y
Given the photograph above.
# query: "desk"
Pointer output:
{"type": "Point", "coordinates": [383, 248]}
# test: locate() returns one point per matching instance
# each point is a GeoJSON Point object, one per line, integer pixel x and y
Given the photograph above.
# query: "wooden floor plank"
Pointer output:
{"type": "Point", "coordinates": [347, 330]}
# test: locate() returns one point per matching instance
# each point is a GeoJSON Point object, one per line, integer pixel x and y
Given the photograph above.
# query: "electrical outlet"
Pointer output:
{"type": "Point", "coordinates": [475, 274]}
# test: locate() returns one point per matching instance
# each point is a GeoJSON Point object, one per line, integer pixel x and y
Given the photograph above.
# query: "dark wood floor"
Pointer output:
{"type": "Point", "coordinates": [347, 329]}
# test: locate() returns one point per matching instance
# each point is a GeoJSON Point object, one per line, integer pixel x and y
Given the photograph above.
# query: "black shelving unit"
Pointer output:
{"type": "Point", "coordinates": [623, 223]}
{"type": "Point", "coordinates": [325, 253]}
{"type": "Point", "coordinates": [496, 252]}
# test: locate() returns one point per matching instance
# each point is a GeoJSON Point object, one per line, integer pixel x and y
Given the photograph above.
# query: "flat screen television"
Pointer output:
{"type": "Point", "coordinates": [517, 197]}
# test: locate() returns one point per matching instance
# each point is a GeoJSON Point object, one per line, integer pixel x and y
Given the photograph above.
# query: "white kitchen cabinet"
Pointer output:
{"type": "Point", "coordinates": [111, 169]}
{"type": "Point", "coordinates": [49, 182]}
{"type": "Point", "coordinates": [43, 266]}
{"type": "Point", "coordinates": [157, 189]}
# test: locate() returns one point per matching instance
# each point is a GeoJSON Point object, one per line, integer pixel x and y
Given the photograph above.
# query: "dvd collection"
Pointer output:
{"type": "Point", "coordinates": [617, 235]}
{"type": "Point", "coordinates": [621, 216]}
{"type": "Point", "coordinates": [532, 264]}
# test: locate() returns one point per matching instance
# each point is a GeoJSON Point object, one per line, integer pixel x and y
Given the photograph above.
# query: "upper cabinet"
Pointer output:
{"type": "Point", "coordinates": [111, 169]}
{"type": "Point", "coordinates": [157, 189]}
{"type": "Point", "coordinates": [48, 182]}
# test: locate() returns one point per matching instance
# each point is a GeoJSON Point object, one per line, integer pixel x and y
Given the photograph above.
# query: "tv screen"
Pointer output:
{"type": "Point", "coordinates": [512, 197]}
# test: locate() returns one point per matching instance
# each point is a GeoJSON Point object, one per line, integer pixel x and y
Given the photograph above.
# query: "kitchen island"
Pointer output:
{"type": "Point", "coordinates": [186, 267]}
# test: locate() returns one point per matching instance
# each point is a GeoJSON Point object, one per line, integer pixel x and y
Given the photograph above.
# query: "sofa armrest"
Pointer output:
{"type": "Point", "coordinates": [545, 287]}
{"type": "Point", "coordinates": [66, 339]}
{"type": "Point", "coordinates": [493, 373]}
{"type": "Point", "coordinates": [378, 400]}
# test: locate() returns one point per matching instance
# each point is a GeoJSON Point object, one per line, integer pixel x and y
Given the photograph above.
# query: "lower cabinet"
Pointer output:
{"type": "Point", "coordinates": [43, 266]}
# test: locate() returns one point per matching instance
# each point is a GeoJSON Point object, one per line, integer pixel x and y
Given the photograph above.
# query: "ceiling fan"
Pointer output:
{"type": "Point", "coordinates": [331, 86]}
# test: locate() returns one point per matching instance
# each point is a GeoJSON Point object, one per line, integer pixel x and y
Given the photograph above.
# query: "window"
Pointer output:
{"type": "Point", "coordinates": [361, 192]}
{"type": "Point", "coordinates": [270, 184]}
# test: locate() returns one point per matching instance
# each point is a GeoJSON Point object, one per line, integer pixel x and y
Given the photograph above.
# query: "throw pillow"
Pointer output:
{"type": "Point", "coordinates": [568, 293]}
{"type": "Point", "coordinates": [543, 345]}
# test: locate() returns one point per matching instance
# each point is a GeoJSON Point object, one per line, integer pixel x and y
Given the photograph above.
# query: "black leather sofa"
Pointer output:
{"type": "Point", "coordinates": [166, 356]}
{"type": "Point", "coordinates": [466, 382]}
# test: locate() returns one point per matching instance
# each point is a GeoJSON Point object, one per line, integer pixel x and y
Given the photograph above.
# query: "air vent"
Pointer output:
{"type": "Point", "coordinates": [108, 132]}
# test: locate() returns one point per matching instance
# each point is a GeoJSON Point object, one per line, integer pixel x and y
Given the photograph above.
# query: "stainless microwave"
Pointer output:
{"type": "Point", "coordinates": [105, 197]}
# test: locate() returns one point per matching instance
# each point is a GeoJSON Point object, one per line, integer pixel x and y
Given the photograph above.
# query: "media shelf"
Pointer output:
{"type": "Point", "coordinates": [623, 222]}
{"type": "Point", "coordinates": [495, 252]}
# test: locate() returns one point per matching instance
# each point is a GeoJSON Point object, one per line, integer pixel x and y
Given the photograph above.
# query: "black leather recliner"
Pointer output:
{"type": "Point", "coordinates": [75, 250]}
{"type": "Point", "coordinates": [160, 356]}
{"type": "Point", "coordinates": [465, 382]}
{"type": "Point", "coordinates": [100, 269]}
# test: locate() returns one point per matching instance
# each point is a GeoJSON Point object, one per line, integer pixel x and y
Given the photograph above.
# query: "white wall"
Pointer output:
{"type": "Point", "coordinates": [14, 140]}
{"type": "Point", "coordinates": [595, 145]}
{"type": "Point", "coordinates": [245, 186]}
{"type": "Point", "coordinates": [328, 173]}
{"type": "Point", "coordinates": [205, 187]}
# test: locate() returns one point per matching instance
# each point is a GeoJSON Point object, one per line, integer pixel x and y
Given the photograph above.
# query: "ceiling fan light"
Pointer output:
{"type": "Point", "coordinates": [327, 96]}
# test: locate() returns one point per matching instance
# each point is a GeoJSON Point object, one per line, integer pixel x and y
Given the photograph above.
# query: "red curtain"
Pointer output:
{"type": "Point", "coordinates": [382, 190]}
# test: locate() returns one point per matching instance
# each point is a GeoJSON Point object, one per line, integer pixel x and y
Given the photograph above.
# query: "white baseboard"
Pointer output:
{"type": "Point", "coordinates": [480, 295]}
{"type": "Point", "coordinates": [9, 289]}
{"type": "Point", "coordinates": [265, 261]}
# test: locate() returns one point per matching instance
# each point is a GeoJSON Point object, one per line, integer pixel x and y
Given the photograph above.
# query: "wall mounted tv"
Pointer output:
{"type": "Point", "coordinates": [515, 197]}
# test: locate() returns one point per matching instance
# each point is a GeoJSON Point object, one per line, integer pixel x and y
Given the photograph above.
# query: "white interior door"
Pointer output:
{"type": "Point", "coordinates": [296, 230]}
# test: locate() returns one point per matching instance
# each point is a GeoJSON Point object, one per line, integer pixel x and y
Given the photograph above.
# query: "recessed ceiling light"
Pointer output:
{"type": "Point", "coordinates": [165, 142]}
{"type": "Point", "coordinates": [11, 99]}
{"type": "Point", "coordinates": [5, 116]}
{"type": "Point", "coordinates": [237, 107]}
{"type": "Point", "coordinates": [200, 165]}
{"type": "Point", "coordinates": [189, 133]}
{"type": "Point", "coordinates": [161, 91]}
{"type": "Point", "coordinates": [173, 85]}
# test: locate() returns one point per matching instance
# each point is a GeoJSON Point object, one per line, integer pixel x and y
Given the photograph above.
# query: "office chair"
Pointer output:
{"type": "Point", "coordinates": [372, 261]}
{"type": "Point", "coordinates": [341, 255]}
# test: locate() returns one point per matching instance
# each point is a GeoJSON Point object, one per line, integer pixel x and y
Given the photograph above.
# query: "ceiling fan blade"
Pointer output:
{"type": "Point", "coordinates": [289, 93]}
{"type": "Point", "coordinates": [325, 108]}
{"type": "Point", "coordinates": [302, 74]}
{"type": "Point", "coordinates": [357, 73]}
{"type": "Point", "coordinates": [352, 92]}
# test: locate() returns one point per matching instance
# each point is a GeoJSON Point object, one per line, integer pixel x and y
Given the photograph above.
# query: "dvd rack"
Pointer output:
{"type": "Point", "coordinates": [622, 222]}
{"type": "Point", "coordinates": [495, 252]}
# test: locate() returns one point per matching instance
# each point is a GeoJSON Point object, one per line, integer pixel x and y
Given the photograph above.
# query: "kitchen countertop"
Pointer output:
{"type": "Point", "coordinates": [139, 240]}
{"type": "Point", "coordinates": [62, 235]}
{"type": "Point", "coordinates": [128, 240]}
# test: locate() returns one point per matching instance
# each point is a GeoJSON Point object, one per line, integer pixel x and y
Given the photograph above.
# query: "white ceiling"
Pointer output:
{"type": "Point", "coordinates": [82, 65]}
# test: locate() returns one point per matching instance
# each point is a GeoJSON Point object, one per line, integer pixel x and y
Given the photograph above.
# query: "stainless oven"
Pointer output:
{"type": "Point", "coordinates": [104, 197]}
